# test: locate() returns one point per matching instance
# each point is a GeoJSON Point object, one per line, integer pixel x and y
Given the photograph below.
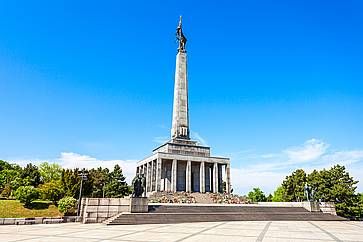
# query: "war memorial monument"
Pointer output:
{"type": "Point", "coordinates": [181, 164]}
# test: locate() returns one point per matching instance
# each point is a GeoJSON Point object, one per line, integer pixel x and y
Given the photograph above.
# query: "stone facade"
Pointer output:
{"type": "Point", "coordinates": [97, 210]}
{"type": "Point", "coordinates": [181, 164]}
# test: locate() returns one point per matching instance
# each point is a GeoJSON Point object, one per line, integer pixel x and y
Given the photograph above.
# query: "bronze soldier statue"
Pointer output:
{"type": "Point", "coordinates": [138, 183]}
{"type": "Point", "coordinates": [180, 36]}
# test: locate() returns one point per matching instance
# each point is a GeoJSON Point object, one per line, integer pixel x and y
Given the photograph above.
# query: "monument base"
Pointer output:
{"type": "Point", "coordinates": [311, 206]}
{"type": "Point", "coordinates": [138, 205]}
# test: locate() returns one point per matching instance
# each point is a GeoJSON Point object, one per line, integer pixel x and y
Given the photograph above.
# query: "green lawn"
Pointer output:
{"type": "Point", "coordinates": [14, 209]}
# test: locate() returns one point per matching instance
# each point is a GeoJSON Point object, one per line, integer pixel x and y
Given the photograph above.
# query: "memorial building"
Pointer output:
{"type": "Point", "coordinates": [181, 164]}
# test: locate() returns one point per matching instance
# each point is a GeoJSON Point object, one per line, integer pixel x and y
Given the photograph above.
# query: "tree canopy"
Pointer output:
{"type": "Point", "coordinates": [256, 195]}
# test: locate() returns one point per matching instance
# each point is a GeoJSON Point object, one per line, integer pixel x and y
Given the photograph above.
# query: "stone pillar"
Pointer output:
{"type": "Point", "coordinates": [152, 176]}
{"type": "Point", "coordinates": [173, 175]}
{"type": "Point", "coordinates": [188, 177]}
{"type": "Point", "coordinates": [215, 178]}
{"type": "Point", "coordinates": [228, 178]}
{"type": "Point", "coordinates": [202, 177]}
{"type": "Point", "coordinates": [158, 175]}
{"type": "Point", "coordinates": [180, 123]}
{"type": "Point", "coordinates": [148, 175]}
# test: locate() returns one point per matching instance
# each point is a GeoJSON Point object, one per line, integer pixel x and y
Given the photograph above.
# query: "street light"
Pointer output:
{"type": "Point", "coordinates": [83, 175]}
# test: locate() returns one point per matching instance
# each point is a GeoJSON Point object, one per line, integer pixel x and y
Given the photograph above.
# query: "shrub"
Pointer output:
{"type": "Point", "coordinates": [67, 205]}
{"type": "Point", "coordinates": [26, 194]}
{"type": "Point", "coordinates": [51, 191]}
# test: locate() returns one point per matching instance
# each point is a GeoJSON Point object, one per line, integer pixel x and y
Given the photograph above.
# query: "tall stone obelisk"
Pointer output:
{"type": "Point", "coordinates": [180, 123]}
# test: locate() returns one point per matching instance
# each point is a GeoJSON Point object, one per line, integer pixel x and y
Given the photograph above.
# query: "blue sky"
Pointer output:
{"type": "Point", "coordinates": [275, 85]}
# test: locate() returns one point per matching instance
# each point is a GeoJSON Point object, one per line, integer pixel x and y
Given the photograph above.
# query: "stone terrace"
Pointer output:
{"type": "Point", "coordinates": [213, 231]}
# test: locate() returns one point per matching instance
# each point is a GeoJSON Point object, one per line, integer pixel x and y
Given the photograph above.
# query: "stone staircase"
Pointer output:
{"type": "Point", "coordinates": [164, 214]}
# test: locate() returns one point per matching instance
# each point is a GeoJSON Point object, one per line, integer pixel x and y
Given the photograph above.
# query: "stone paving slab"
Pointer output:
{"type": "Point", "coordinates": [315, 231]}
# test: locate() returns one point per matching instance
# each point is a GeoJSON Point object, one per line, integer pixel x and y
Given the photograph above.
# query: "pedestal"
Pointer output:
{"type": "Point", "coordinates": [311, 206]}
{"type": "Point", "coordinates": [138, 205]}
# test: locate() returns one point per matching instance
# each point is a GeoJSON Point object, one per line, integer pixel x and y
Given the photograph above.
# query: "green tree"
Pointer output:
{"type": "Point", "coordinates": [99, 178]}
{"type": "Point", "coordinates": [10, 180]}
{"type": "Point", "coordinates": [4, 165]}
{"type": "Point", "coordinates": [256, 195]}
{"type": "Point", "coordinates": [336, 185]}
{"type": "Point", "coordinates": [279, 194]}
{"type": "Point", "coordinates": [50, 172]}
{"type": "Point", "coordinates": [117, 186]}
{"type": "Point", "coordinates": [70, 182]}
{"type": "Point", "coordinates": [52, 191]}
{"type": "Point", "coordinates": [31, 173]}
{"type": "Point", "coordinates": [269, 198]}
{"type": "Point", "coordinates": [67, 205]}
{"type": "Point", "coordinates": [26, 195]}
{"type": "Point", "coordinates": [293, 186]}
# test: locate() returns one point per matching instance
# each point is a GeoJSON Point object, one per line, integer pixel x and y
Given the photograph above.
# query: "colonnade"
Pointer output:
{"type": "Point", "coordinates": [185, 175]}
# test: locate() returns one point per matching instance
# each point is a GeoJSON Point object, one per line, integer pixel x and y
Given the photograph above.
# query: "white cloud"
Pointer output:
{"type": "Point", "coordinates": [311, 150]}
{"type": "Point", "coordinates": [75, 160]}
{"type": "Point", "coordinates": [268, 170]}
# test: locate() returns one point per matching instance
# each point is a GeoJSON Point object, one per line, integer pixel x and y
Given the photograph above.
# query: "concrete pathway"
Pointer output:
{"type": "Point", "coordinates": [214, 231]}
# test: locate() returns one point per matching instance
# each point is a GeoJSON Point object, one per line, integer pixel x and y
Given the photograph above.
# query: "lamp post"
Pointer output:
{"type": "Point", "coordinates": [83, 175]}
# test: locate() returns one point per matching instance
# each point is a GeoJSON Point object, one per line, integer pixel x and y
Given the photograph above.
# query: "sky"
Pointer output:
{"type": "Point", "coordinates": [274, 85]}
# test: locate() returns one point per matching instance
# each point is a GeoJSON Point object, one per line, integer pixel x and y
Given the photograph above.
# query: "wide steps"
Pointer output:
{"type": "Point", "coordinates": [159, 218]}
{"type": "Point", "coordinates": [222, 209]}
{"type": "Point", "coordinates": [164, 214]}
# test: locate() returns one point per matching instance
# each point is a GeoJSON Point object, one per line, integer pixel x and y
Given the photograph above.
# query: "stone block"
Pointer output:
{"type": "Point", "coordinates": [92, 215]}
{"type": "Point", "coordinates": [91, 209]}
{"type": "Point", "coordinates": [113, 209]}
{"type": "Point", "coordinates": [328, 207]}
{"type": "Point", "coordinates": [124, 209]}
{"type": "Point", "coordinates": [114, 201]}
{"type": "Point", "coordinates": [1, 221]}
{"type": "Point", "coordinates": [139, 205]}
{"type": "Point", "coordinates": [9, 221]}
{"type": "Point", "coordinates": [103, 215]}
{"type": "Point", "coordinates": [38, 220]}
{"type": "Point", "coordinates": [90, 220]}
{"type": "Point", "coordinates": [101, 219]}
{"type": "Point", "coordinates": [311, 206]}
{"type": "Point", "coordinates": [104, 201]}
{"type": "Point", "coordinates": [20, 221]}
{"type": "Point", "coordinates": [103, 209]}
{"type": "Point", "coordinates": [125, 201]}
{"type": "Point", "coordinates": [92, 201]}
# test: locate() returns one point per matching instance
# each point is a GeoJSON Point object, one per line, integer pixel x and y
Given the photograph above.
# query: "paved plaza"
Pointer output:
{"type": "Point", "coordinates": [212, 231]}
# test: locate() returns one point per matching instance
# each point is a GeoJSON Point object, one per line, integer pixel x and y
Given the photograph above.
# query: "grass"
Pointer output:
{"type": "Point", "coordinates": [15, 209]}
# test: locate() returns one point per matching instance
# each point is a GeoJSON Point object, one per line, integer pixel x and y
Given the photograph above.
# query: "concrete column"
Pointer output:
{"type": "Point", "coordinates": [202, 177]}
{"type": "Point", "coordinates": [173, 175]}
{"type": "Point", "coordinates": [228, 178]}
{"type": "Point", "coordinates": [188, 177]}
{"type": "Point", "coordinates": [215, 178]}
{"type": "Point", "coordinates": [158, 175]}
{"type": "Point", "coordinates": [148, 175]}
{"type": "Point", "coordinates": [152, 176]}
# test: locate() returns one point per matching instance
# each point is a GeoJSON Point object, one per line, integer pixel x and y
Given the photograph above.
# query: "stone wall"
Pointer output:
{"type": "Point", "coordinates": [328, 207]}
{"type": "Point", "coordinates": [97, 210]}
